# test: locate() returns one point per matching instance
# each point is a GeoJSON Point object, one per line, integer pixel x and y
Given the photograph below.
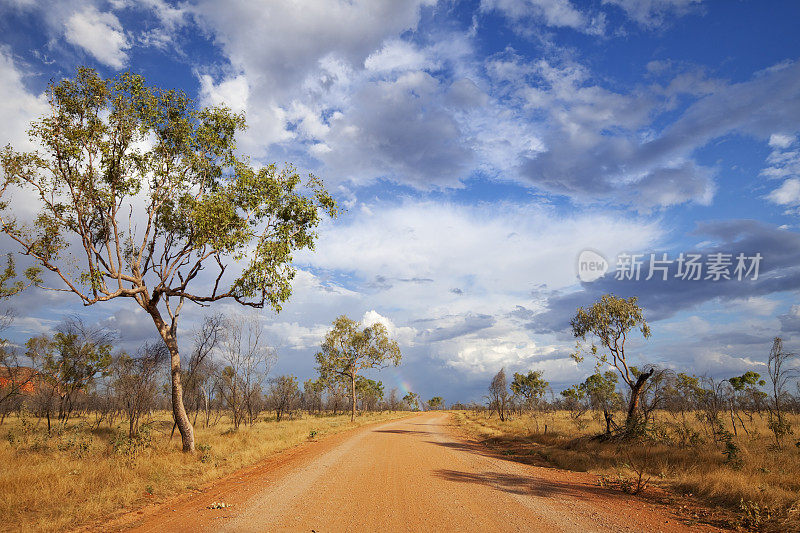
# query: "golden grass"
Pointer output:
{"type": "Point", "coordinates": [76, 477]}
{"type": "Point", "coordinates": [764, 481]}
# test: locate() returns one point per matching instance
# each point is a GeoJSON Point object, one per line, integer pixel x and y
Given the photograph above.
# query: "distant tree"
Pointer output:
{"type": "Point", "coordinates": [498, 394]}
{"type": "Point", "coordinates": [135, 380]}
{"type": "Point", "coordinates": [248, 359]}
{"type": "Point", "coordinates": [576, 401]}
{"type": "Point", "coordinates": [370, 392]}
{"type": "Point", "coordinates": [141, 191]}
{"type": "Point", "coordinates": [283, 395]}
{"type": "Point", "coordinates": [529, 386]}
{"type": "Point", "coordinates": [779, 375]}
{"type": "Point", "coordinates": [312, 394]}
{"type": "Point", "coordinates": [745, 393]}
{"type": "Point", "coordinates": [69, 361]}
{"type": "Point", "coordinates": [394, 400]}
{"type": "Point", "coordinates": [610, 320]}
{"type": "Point", "coordinates": [348, 349]}
{"type": "Point", "coordinates": [337, 389]}
{"type": "Point", "coordinates": [435, 403]}
{"type": "Point", "coordinates": [14, 377]}
{"type": "Point", "coordinates": [201, 371]}
{"type": "Point", "coordinates": [412, 400]}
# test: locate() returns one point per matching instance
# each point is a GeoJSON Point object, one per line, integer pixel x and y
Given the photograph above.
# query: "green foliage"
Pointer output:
{"type": "Point", "coordinates": [129, 448]}
{"type": "Point", "coordinates": [73, 357]}
{"type": "Point", "coordinates": [437, 402]}
{"type": "Point", "coordinates": [349, 348]}
{"type": "Point", "coordinates": [115, 146]}
{"type": "Point", "coordinates": [754, 515]}
{"type": "Point", "coordinates": [747, 380]}
{"type": "Point", "coordinates": [412, 399]}
{"type": "Point", "coordinates": [530, 386]}
{"type": "Point", "coordinates": [369, 389]}
{"type": "Point", "coordinates": [205, 453]}
{"type": "Point", "coordinates": [609, 320]}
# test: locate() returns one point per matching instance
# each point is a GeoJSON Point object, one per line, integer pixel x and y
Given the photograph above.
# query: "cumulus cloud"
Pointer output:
{"type": "Point", "coordinates": [18, 107]}
{"type": "Point", "coordinates": [99, 34]}
{"type": "Point", "coordinates": [594, 142]}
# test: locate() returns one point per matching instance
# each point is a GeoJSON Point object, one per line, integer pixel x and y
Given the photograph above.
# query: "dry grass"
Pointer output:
{"type": "Point", "coordinates": [78, 476]}
{"type": "Point", "coordinates": [762, 485]}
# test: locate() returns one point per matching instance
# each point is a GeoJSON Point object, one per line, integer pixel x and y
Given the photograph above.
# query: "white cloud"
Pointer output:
{"type": "Point", "coordinates": [99, 34]}
{"type": "Point", "coordinates": [787, 194]}
{"type": "Point", "coordinates": [784, 163]}
{"type": "Point", "coordinates": [780, 140]}
{"type": "Point", "coordinates": [18, 107]}
{"type": "Point", "coordinates": [654, 13]}
{"type": "Point", "coordinates": [397, 55]}
{"type": "Point", "coordinates": [403, 335]}
{"type": "Point", "coordinates": [555, 13]}
{"type": "Point", "coordinates": [417, 251]}
{"type": "Point", "coordinates": [232, 92]}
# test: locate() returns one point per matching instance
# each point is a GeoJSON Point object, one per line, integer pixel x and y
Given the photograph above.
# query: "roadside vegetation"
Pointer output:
{"type": "Point", "coordinates": [729, 441]}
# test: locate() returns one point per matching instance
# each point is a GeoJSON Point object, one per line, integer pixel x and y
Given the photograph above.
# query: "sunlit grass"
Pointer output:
{"type": "Point", "coordinates": [763, 475]}
{"type": "Point", "coordinates": [77, 476]}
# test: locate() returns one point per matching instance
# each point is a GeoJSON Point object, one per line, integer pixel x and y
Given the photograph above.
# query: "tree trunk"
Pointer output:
{"type": "Point", "coordinates": [636, 392]}
{"type": "Point", "coordinates": [178, 410]}
{"type": "Point", "coordinates": [353, 397]}
{"type": "Point", "coordinates": [609, 418]}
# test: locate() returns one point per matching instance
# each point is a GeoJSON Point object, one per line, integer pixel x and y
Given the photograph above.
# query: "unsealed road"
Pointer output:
{"type": "Point", "coordinates": [406, 475]}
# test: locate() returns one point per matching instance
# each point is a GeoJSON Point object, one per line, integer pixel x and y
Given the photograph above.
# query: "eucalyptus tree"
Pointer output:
{"type": "Point", "coordinates": [530, 386]}
{"type": "Point", "coordinates": [412, 400]}
{"type": "Point", "coordinates": [142, 195]}
{"type": "Point", "coordinates": [611, 320]}
{"type": "Point", "coordinates": [348, 349]}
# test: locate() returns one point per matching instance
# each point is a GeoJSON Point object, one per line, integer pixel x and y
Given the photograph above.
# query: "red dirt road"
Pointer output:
{"type": "Point", "coordinates": [406, 475]}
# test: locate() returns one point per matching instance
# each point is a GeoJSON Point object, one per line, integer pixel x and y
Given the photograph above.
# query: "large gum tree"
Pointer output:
{"type": "Point", "coordinates": [142, 195]}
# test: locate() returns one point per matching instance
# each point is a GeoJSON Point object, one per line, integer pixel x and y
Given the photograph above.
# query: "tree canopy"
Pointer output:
{"type": "Point", "coordinates": [348, 348]}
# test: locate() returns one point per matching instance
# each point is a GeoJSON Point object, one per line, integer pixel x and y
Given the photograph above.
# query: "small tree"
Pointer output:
{"type": "Point", "coordinates": [283, 395]}
{"type": "Point", "coordinates": [312, 394]}
{"type": "Point", "coordinates": [498, 394]}
{"type": "Point", "coordinates": [248, 360]}
{"type": "Point", "coordinates": [435, 403]}
{"type": "Point", "coordinates": [70, 361]}
{"type": "Point", "coordinates": [779, 376]}
{"type": "Point", "coordinates": [370, 392]}
{"type": "Point", "coordinates": [745, 394]}
{"type": "Point", "coordinates": [412, 400]}
{"type": "Point", "coordinates": [577, 403]}
{"type": "Point", "coordinates": [135, 381]}
{"type": "Point", "coordinates": [153, 196]}
{"type": "Point", "coordinates": [348, 349]}
{"type": "Point", "coordinates": [601, 389]}
{"type": "Point", "coordinates": [529, 386]}
{"type": "Point", "coordinates": [611, 320]}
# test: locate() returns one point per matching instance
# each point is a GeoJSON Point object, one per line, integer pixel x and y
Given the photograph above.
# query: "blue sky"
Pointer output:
{"type": "Point", "coordinates": [479, 147]}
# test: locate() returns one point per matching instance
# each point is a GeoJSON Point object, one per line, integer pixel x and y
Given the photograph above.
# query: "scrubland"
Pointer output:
{"type": "Point", "coordinates": [754, 481]}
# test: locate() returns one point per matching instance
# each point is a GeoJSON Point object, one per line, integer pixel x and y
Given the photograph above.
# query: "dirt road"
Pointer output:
{"type": "Point", "coordinates": [407, 475]}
